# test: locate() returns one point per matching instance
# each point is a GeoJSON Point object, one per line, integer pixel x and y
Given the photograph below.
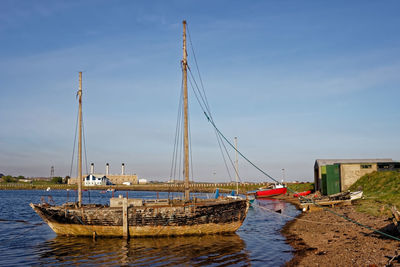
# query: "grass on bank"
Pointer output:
{"type": "Point", "coordinates": [300, 187]}
{"type": "Point", "coordinates": [243, 188]}
{"type": "Point", "coordinates": [381, 191]}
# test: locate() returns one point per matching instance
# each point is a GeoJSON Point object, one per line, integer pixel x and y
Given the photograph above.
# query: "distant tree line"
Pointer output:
{"type": "Point", "coordinates": [12, 179]}
{"type": "Point", "coordinates": [20, 178]}
{"type": "Point", "coordinates": [57, 180]}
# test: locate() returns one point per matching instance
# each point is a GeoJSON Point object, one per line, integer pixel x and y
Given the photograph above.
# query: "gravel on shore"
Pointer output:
{"type": "Point", "coordinates": [321, 238]}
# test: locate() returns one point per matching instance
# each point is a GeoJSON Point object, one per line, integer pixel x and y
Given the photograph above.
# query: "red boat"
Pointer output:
{"type": "Point", "coordinates": [269, 192]}
{"type": "Point", "coordinates": [305, 193]}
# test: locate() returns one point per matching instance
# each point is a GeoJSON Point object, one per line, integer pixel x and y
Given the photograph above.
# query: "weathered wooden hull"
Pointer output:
{"type": "Point", "coordinates": [170, 220]}
{"type": "Point", "coordinates": [143, 231]}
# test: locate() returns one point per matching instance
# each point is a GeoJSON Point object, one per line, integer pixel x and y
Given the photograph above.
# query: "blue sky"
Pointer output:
{"type": "Point", "coordinates": [293, 80]}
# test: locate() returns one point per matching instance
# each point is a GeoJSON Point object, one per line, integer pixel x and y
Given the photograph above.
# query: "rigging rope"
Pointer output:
{"type": "Point", "coordinates": [190, 149]}
{"type": "Point", "coordinates": [181, 150]}
{"type": "Point", "coordinates": [198, 69]}
{"type": "Point", "coordinates": [177, 156]}
{"type": "Point", "coordinates": [73, 149]}
{"type": "Point", "coordinates": [178, 121]}
{"type": "Point", "coordinates": [84, 143]}
{"type": "Point", "coordinates": [207, 107]}
{"type": "Point", "coordinates": [324, 208]}
{"type": "Point", "coordinates": [206, 104]}
{"type": "Point", "coordinates": [208, 115]}
{"type": "Point", "coordinates": [197, 94]}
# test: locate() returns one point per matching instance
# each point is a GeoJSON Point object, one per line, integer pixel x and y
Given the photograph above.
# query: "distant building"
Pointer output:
{"type": "Point", "coordinates": [92, 180]}
{"type": "Point", "coordinates": [172, 181]}
{"type": "Point", "coordinates": [41, 178]}
{"type": "Point", "coordinates": [336, 175]}
{"type": "Point", "coordinates": [142, 181]}
{"type": "Point", "coordinates": [113, 178]}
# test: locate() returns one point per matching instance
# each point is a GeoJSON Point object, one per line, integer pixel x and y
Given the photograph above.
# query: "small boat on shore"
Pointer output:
{"type": "Point", "coordinates": [302, 194]}
{"type": "Point", "coordinates": [356, 195]}
{"type": "Point", "coordinates": [273, 190]}
{"type": "Point", "coordinates": [342, 198]}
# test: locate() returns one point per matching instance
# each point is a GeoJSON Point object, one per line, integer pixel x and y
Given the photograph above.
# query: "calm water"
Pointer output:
{"type": "Point", "coordinates": [26, 240]}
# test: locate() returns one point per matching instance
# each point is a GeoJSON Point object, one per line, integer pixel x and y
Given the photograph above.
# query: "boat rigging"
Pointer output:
{"type": "Point", "coordinates": [145, 217]}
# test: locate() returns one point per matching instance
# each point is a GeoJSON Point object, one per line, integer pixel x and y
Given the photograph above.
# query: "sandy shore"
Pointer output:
{"type": "Point", "coordinates": [323, 239]}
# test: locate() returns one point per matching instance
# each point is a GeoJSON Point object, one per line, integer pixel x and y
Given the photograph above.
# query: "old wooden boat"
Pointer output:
{"type": "Point", "coordinates": [139, 217]}
{"type": "Point", "coordinates": [136, 217]}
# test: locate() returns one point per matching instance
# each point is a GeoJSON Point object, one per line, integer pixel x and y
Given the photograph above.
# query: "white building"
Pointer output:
{"type": "Point", "coordinates": [92, 180]}
{"type": "Point", "coordinates": [142, 181]}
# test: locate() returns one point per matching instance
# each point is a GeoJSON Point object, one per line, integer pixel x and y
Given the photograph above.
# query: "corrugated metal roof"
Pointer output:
{"type": "Point", "coordinates": [323, 162]}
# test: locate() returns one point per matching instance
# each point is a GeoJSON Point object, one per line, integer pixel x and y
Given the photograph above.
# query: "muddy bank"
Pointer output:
{"type": "Point", "coordinates": [322, 239]}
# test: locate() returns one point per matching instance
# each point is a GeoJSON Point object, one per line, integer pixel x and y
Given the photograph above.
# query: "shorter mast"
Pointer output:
{"type": "Point", "coordinates": [80, 143]}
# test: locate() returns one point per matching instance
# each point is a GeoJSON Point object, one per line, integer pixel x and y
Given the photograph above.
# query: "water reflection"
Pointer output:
{"type": "Point", "coordinates": [272, 204]}
{"type": "Point", "coordinates": [210, 250]}
{"type": "Point", "coordinates": [26, 241]}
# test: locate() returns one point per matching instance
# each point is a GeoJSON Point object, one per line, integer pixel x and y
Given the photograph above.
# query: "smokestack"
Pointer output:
{"type": "Point", "coordinates": [107, 169]}
{"type": "Point", "coordinates": [123, 169]}
{"type": "Point", "coordinates": [91, 168]}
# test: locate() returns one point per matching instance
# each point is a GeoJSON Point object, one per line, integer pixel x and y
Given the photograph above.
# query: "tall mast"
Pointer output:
{"type": "Point", "coordinates": [80, 143]}
{"type": "Point", "coordinates": [236, 167]}
{"type": "Point", "coordinates": [185, 109]}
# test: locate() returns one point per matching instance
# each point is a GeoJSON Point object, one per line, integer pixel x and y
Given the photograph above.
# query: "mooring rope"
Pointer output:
{"type": "Point", "coordinates": [312, 201]}
{"type": "Point", "coordinates": [211, 121]}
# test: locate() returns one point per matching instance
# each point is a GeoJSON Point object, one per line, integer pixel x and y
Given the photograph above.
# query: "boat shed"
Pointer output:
{"type": "Point", "coordinates": [332, 176]}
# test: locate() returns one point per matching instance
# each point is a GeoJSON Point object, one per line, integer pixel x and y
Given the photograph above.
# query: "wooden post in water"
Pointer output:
{"type": "Point", "coordinates": [125, 228]}
{"type": "Point", "coordinates": [80, 143]}
{"type": "Point", "coordinates": [185, 109]}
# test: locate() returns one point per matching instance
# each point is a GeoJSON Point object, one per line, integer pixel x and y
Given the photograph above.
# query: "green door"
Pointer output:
{"type": "Point", "coordinates": [332, 179]}
{"type": "Point", "coordinates": [323, 180]}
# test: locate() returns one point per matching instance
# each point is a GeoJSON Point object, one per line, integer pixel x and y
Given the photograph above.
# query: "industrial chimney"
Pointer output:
{"type": "Point", "coordinates": [123, 169]}
{"type": "Point", "coordinates": [107, 169]}
{"type": "Point", "coordinates": [91, 168]}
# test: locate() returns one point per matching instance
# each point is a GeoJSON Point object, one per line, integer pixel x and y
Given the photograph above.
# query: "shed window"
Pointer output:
{"type": "Point", "coordinates": [366, 166]}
